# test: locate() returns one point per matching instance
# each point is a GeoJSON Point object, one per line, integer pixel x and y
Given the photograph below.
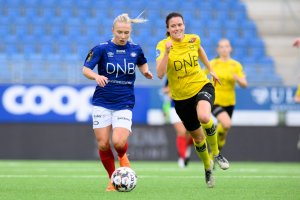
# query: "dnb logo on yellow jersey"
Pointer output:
{"type": "Point", "coordinates": [192, 40]}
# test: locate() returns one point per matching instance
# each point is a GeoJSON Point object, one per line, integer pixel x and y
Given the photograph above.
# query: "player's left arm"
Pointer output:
{"type": "Point", "coordinates": [144, 69]}
{"type": "Point", "coordinates": [240, 77]}
{"type": "Point", "coordinates": [203, 57]}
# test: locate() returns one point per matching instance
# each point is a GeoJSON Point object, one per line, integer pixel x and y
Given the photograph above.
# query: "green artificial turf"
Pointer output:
{"type": "Point", "coordinates": [87, 180]}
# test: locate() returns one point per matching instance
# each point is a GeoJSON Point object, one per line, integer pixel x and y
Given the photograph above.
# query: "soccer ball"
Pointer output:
{"type": "Point", "coordinates": [124, 179]}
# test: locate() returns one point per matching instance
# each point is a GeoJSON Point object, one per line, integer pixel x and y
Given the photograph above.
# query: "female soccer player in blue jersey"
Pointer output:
{"type": "Point", "coordinates": [178, 57]}
{"type": "Point", "coordinates": [114, 99]}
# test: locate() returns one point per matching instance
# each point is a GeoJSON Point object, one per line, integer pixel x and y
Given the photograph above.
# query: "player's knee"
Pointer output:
{"type": "Point", "coordinates": [226, 126]}
{"type": "Point", "coordinates": [198, 136]}
{"type": "Point", "coordinates": [204, 118]}
{"type": "Point", "coordinates": [119, 144]}
{"type": "Point", "coordinates": [103, 146]}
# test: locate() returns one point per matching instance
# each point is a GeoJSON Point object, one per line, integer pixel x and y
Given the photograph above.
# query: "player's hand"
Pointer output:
{"type": "Point", "coordinates": [101, 80]}
{"type": "Point", "coordinates": [215, 78]}
{"type": "Point", "coordinates": [169, 45]}
{"type": "Point", "coordinates": [148, 75]}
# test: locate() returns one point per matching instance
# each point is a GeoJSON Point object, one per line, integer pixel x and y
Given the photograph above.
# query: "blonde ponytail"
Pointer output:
{"type": "Point", "coordinates": [124, 18]}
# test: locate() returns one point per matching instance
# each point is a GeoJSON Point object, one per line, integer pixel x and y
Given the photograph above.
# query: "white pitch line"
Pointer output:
{"type": "Point", "coordinates": [169, 177]}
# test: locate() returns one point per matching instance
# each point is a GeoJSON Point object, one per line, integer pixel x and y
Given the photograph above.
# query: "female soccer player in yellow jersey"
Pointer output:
{"type": "Point", "coordinates": [191, 90]}
{"type": "Point", "coordinates": [297, 95]}
{"type": "Point", "coordinates": [230, 72]}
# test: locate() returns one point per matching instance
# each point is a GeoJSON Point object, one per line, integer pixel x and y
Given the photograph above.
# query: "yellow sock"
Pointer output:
{"type": "Point", "coordinates": [201, 150]}
{"type": "Point", "coordinates": [211, 136]}
{"type": "Point", "coordinates": [221, 132]}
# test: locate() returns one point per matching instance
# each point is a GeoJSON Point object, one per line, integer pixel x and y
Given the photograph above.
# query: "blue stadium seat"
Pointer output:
{"type": "Point", "coordinates": [205, 14]}
{"type": "Point", "coordinates": [222, 6]}
{"type": "Point", "coordinates": [248, 26]}
{"type": "Point", "coordinates": [13, 3]}
{"type": "Point", "coordinates": [4, 31]}
{"type": "Point", "coordinates": [231, 34]}
{"type": "Point", "coordinates": [29, 48]}
{"type": "Point", "coordinates": [32, 12]}
{"type": "Point", "coordinates": [56, 31]}
{"type": "Point", "coordinates": [38, 31]}
{"type": "Point", "coordinates": [257, 52]}
{"type": "Point", "coordinates": [45, 49]}
{"type": "Point", "coordinates": [73, 21]}
{"type": "Point", "coordinates": [49, 4]}
{"type": "Point", "coordinates": [188, 6]}
{"type": "Point", "coordinates": [60, 33]}
{"type": "Point", "coordinates": [205, 6]}
{"type": "Point", "coordinates": [256, 43]}
{"type": "Point", "coordinates": [238, 53]}
{"type": "Point", "coordinates": [239, 7]}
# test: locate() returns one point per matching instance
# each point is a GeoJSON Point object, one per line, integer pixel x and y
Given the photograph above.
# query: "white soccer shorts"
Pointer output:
{"type": "Point", "coordinates": [103, 117]}
{"type": "Point", "coordinates": [174, 118]}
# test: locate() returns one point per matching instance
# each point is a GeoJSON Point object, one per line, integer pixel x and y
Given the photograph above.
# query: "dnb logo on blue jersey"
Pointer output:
{"type": "Point", "coordinates": [118, 64]}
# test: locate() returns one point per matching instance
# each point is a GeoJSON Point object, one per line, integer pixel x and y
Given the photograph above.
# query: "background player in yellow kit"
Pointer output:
{"type": "Point", "coordinates": [230, 72]}
{"type": "Point", "coordinates": [191, 90]}
{"type": "Point", "coordinates": [297, 95]}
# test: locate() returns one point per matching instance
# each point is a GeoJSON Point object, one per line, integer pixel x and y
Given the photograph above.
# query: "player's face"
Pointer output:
{"type": "Point", "coordinates": [224, 48]}
{"type": "Point", "coordinates": [121, 32]}
{"type": "Point", "coordinates": [176, 28]}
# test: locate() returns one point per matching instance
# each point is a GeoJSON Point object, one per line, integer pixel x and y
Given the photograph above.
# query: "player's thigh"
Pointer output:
{"type": "Point", "coordinates": [224, 119]}
{"type": "Point", "coordinates": [102, 136]}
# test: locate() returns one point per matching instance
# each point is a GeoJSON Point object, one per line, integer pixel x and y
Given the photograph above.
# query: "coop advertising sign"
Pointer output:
{"type": "Point", "coordinates": [70, 104]}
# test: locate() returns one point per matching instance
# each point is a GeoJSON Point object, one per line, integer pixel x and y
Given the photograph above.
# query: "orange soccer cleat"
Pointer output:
{"type": "Point", "coordinates": [124, 162]}
{"type": "Point", "coordinates": [110, 187]}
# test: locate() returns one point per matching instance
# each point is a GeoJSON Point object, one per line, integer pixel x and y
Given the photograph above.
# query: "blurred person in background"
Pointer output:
{"type": "Point", "coordinates": [229, 72]}
{"type": "Point", "coordinates": [184, 141]}
{"type": "Point", "coordinates": [114, 98]}
{"type": "Point", "coordinates": [193, 94]}
{"type": "Point", "coordinates": [297, 95]}
{"type": "Point", "coordinates": [296, 42]}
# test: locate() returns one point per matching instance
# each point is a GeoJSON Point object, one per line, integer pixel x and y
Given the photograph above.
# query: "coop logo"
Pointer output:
{"type": "Point", "coordinates": [41, 100]}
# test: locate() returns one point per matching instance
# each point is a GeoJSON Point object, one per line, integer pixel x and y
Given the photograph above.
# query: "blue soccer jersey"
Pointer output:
{"type": "Point", "coordinates": [118, 64]}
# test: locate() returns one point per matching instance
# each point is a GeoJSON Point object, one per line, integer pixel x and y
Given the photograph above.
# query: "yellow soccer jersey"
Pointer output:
{"type": "Point", "coordinates": [185, 76]}
{"type": "Point", "coordinates": [225, 93]}
{"type": "Point", "coordinates": [298, 91]}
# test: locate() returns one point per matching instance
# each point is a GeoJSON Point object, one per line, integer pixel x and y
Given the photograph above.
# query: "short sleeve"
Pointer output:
{"type": "Point", "coordinates": [93, 57]}
{"type": "Point", "coordinates": [160, 50]}
{"type": "Point", "coordinates": [240, 71]}
{"type": "Point", "coordinates": [141, 58]}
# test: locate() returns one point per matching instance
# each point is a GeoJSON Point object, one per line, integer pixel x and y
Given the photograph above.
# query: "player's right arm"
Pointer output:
{"type": "Point", "coordinates": [162, 58]}
{"type": "Point", "coordinates": [91, 61]}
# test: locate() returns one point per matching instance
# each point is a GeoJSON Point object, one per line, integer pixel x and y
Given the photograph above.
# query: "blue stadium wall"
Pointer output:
{"type": "Point", "coordinates": [32, 127]}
